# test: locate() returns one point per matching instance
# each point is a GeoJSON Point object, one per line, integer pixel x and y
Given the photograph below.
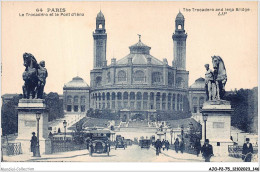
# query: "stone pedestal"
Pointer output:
{"type": "Point", "coordinates": [27, 123]}
{"type": "Point", "coordinates": [218, 125]}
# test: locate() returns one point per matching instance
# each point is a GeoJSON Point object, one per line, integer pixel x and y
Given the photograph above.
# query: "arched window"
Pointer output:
{"type": "Point", "coordinates": [99, 96]}
{"type": "Point", "coordinates": [145, 96]}
{"type": "Point", "coordinates": [108, 96]}
{"type": "Point", "coordinates": [103, 96]}
{"type": "Point", "coordinates": [158, 95]}
{"type": "Point", "coordinates": [121, 76]}
{"type": "Point", "coordinates": [164, 97]}
{"type": "Point", "coordinates": [125, 96]}
{"type": "Point", "coordinates": [139, 96]}
{"type": "Point", "coordinates": [82, 100]}
{"type": "Point", "coordinates": [157, 77]}
{"type": "Point", "coordinates": [76, 99]}
{"type": "Point", "coordinates": [100, 26]}
{"type": "Point", "coordinates": [69, 100]}
{"type": "Point", "coordinates": [98, 81]}
{"type": "Point", "coordinates": [179, 26]}
{"type": "Point", "coordinates": [152, 96]}
{"type": "Point", "coordinates": [119, 96]}
{"type": "Point", "coordinates": [180, 82]}
{"type": "Point", "coordinates": [139, 76]}
{"type": "Point", "coordinates": [113, 95]}
{"type": "Point", "coordinates": [132, 96]}
{"type": "Point", "coordinates": [108, 77]}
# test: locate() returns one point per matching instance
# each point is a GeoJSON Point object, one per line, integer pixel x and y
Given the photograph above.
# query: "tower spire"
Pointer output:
{"type": "Point", "coordinates": [139, 37]}
{"type": "Point", "coordinates": [179, 42]}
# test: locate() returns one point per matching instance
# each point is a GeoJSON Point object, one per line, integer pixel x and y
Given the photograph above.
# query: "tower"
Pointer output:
{"type": "Point", "coordinates": [100, 42]}
{"type": "Point", "coordinates": [179, 43]}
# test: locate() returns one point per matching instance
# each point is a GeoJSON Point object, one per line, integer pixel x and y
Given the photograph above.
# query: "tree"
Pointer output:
{"type": "Point", "coordinates": [9, 117]}
{"type": "Point", "coordinates": [54, 106]}
{"type": "Point", "coordinates": [244, 102]}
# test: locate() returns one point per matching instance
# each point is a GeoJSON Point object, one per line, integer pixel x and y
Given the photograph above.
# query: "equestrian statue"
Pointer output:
{"type": "Point", "coordinates": [34, 77]}
{"type": "Point", "coordinates": [215, 80]}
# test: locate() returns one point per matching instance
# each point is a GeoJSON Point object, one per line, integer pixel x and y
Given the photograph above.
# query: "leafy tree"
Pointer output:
{"type": "Point", "coordinates": [54, 106]}
{"type": "Point", "coordinates": [244, 102]}
{"type": "Point", "coordinates": [9, 117]}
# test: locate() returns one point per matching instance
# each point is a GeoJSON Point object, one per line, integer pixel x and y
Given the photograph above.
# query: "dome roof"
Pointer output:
{"type": "Point", "coordinates": [199, 83]}
{"type": "Point", "coordinates": [76, 82]}
{"type": "Point", "coordinates": [139, 59]}
{"type": "Point", "coordinates": [100, 15]}
{"type": "Point", "coordinates": [179, 16]}
{"type": "Point", "coordinates": [140, 55]}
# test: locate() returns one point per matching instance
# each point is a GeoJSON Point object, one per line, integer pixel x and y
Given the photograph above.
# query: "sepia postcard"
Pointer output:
{"type": "Point", "coordinates": [129, 85]}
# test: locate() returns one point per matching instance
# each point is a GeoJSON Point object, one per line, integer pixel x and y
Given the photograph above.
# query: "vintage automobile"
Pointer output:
{"type": "Point", "coordinates": [99, 142]}
{"type": "Point", "coordinates": [145, 143]}
{"type": "Point", "coordinates": [120, 143]}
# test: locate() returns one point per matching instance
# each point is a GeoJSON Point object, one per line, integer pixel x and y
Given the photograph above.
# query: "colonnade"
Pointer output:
{"type": "Point", "coordinates": [137, 100]}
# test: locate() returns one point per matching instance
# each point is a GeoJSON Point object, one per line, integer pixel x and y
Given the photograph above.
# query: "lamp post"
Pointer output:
{"type": "Point", "coordinates": [165, 134]}
{"type": "Point", "coordinates": [182, 131]}
{"type": "Point", "coordinates": [38, 117]}
{"type": "Point", "coordinates": [171, 132]}
{"type": "Point", "coordinates": [205, 117]}
{"type": "Point", "coordinates": [65, 125]}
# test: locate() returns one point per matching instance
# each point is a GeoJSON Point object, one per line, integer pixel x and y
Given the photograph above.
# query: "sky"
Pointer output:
{"type": "Point", "coordinates": [66, 42]}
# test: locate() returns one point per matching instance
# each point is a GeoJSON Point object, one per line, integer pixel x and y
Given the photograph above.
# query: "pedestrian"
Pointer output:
{"type": "Point", "coordinates": [158, 145]}
{"type": "Point", "coordinates": [50, 135]}
{"type": "Point", "coordinates": [182, 146]}
{"type": "Point", "coordinates": [167, 144]}
{"type": "Point", "coordinates": [176, 145]}
{"type": "Point", "coordinates": [163, 144]}
{"type": "Point", "coordinates": [198, 146]}
{"type": "Point", "coordinates": [247, 151]}
{"type": "Point", "coordinates": [33, 144]}
{"type": "Point", "coordinates": [207, 151]}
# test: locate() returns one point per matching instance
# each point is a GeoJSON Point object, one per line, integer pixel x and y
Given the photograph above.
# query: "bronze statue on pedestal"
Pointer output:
{"type": "Point", "coordinates": [34, 77]}
{"type": "Point", "coordinates": [215, 80]}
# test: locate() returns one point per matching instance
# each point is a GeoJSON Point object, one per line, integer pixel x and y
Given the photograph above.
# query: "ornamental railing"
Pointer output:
{"type": "Point", "coordinates": [236, 151]}
{"type": "Point", "coordinates": [14, 149]}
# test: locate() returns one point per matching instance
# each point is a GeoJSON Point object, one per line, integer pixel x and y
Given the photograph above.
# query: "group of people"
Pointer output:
{"type": "Point", "coordinates": [164, 144]}
{"type": "Point", "coordinates": [179, 145]}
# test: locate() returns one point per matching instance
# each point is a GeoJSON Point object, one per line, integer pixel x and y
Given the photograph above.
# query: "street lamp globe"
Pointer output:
{"type": "Point", "coordinates": [65, 123]}
{"type": "Point", "coordinates": [205, 116]}
{"type": "Point", "coordinates": [38, 115]}
{"type": "Point", "coordinates": [171, 131]}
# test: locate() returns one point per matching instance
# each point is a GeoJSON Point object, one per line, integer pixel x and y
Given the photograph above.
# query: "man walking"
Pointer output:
{"type": "Point", "coordinates": [247, 151]}
{"type": "Point", "coordinates": [182, 146]}
{"type": "Point", "coordinates": [207, 150]}
{"type": "Point", "coordinates": [197, 147]}
{"type": "Point", "coordinates": [176, 145]}
{"type": "Point", "coordinates": [33, 143]}
{"type": "Point", "coordinates": [158, 145]}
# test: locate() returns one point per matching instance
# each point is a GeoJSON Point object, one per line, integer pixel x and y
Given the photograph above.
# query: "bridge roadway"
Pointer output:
{"type": "Point", "coordinates": [131, 154]}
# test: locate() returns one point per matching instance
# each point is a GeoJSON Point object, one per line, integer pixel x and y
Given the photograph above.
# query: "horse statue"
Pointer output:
{"type": "Point", "coordinates": [219, 76]}
{"type": "Point", "coordinates": [34, 77]}
{"type": "Point", "coordinates": [30, 76]}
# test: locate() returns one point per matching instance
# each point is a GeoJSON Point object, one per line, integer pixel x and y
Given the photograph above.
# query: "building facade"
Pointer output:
{"type": "Point", "coordinates": [76, 96]}
{"type": "Point", "coordinates": [197, 96]}
{"type": "Point", "coordinates": [139, 82]}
